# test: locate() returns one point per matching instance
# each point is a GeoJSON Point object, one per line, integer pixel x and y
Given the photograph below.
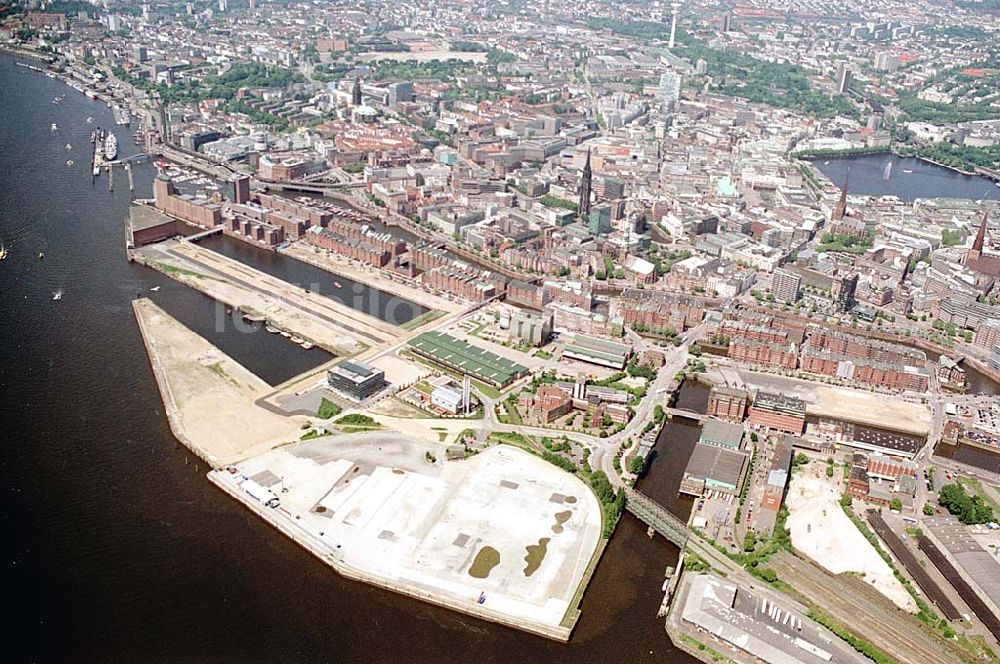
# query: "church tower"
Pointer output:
{"type": "Point", "coordinates": [584, 206]}
{"type": "Point", "coordinates": [841, 208]}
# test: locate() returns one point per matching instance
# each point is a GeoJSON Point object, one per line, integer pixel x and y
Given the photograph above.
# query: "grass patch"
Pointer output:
{"type": "Point", "coordinates": [422, 319]}
{"type": "Point", "coordinates": [309, 435]}
{"type": "Point", "coordinates": [175, 271]}
{"type": "Point", "coordinates": [697, 645]}
{"type": "Point", "coordinates": [975, 487]}
{"type": "Point", "coordinates": [327, 409]}
{"type": "Point", "coordinates": [862, 646]}
{"type": "Point", "coordinates": [977, 646]}
{"type": "Point", "coordinates": [357, 419]}
{"type": "Point", "coordinates": [543, 354]}
{"type": "Point", "coordinates": [219, 371]}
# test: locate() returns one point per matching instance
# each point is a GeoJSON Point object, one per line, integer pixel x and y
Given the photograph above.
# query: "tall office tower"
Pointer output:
{"type": "Point", "coordinates": [241, 189]}
{"type": "Point", "coordinates": [785, 286]}
{"type": "Point", "coordinates": [583, 209]}
{"type": "Point", "coordinates": [356, 93]}
{"type": "Point", "coordinates": [843, 78]}
{"type": "Point", "coordinates": [727, 22]}
{"type": "Point", "coordinates": [670, 87]}
{"type": "Point", "coordinates": [842, 291]}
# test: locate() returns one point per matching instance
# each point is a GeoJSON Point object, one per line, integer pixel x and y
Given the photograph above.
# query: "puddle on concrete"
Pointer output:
{"type": "Point", "coordinates": [570, 499]}
{"type": "Point", "coordinates": [485, 561]}
{"type": "Point", "coordinates": [561, 518]}
{"type": "Point", "coordinates": [535, 556]}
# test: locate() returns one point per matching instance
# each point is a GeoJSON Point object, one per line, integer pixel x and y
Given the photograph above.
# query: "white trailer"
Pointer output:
{"type": "Point", "coordinates": [260, 493]}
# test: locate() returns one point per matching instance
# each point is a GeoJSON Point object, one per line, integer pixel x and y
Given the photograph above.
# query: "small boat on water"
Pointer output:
{"type": "Point", "coordinates": [70, 162]}
{"type": "Point", "coordinates": [907, 171]}
{"type": "Point", "coordinates": [54, 127]}
{"type": "Point", "coordinates": [272, 330]}
{"type": "Point", "coordinates": [888, 171]}
{"type": "Point", "coordinates": [298, 340]}
{"type": "Point", "coordinates": [3, 252]}
{"type": "Point", "coordinates": [286, 335]}
{"type": "Point", "coordinates": [57, 295]}
{"type": "Point", "coordinates": [155, 288]}
{"type": "Point", "coordinates": [337, 284]}
{"type": "Point", "coordinates": [41, 255]}
{"type": "Point", "coordinates": [69, 147]}
{"type": "Point", "coordinates": [89, 120]}
{"type": "Point", "coordinates": [306, 345]}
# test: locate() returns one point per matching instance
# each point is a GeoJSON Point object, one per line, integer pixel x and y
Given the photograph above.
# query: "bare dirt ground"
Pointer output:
{"type": "Point", "coordinates": [209, 397]}
{"type": "Point", "coordinates": [822, 531]}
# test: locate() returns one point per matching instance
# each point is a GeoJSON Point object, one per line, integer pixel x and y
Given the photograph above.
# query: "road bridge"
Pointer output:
{"type": "Point", "coordinates": [203, 234]}
{"type": "Point", "coordinates": [656, 517]}
{"type": "Point", "coordinates": [684, 412]}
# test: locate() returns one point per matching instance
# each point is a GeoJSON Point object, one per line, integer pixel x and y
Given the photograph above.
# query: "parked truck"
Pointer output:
{"type": "Point", "coordinates": [260, 493]}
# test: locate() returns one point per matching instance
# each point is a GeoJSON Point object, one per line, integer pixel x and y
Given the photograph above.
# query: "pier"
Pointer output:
{"type": "Point", "coordinates": [656, 517]}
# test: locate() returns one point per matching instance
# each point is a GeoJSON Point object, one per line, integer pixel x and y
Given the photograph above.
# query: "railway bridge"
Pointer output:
{"type": "Point", "coordinates": [656, 517]}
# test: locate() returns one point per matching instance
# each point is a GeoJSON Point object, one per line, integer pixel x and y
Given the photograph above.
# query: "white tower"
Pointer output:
{"type": "Point", "coordinates": [673, 22]}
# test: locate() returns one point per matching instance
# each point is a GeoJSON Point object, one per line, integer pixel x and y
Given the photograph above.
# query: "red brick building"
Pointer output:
{"type": "Point", "coordinates": [779, 412]}
{"type": "Point", "coordinates": [764, 354]}
{"type": "Point", "coordinates": [728, 403]}
{"type": "Point", "coordinates": [186, 208]}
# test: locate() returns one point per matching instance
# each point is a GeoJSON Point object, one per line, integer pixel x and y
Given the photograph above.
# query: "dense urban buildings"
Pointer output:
{"type": "Point", "coordinates": [531, 252]}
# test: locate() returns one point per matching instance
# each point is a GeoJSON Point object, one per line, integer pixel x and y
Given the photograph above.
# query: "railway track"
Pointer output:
{"type": "Point", "coordinates": [866, 613]}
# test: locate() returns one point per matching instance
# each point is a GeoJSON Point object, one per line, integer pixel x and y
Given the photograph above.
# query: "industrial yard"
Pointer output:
{"type": "Point", "coordinates": [820, 530]}
{"type": "Point", "coordinates": [501, 534]}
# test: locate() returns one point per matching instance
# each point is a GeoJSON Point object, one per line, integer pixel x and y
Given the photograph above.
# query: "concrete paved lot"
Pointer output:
{"type": "Point", "coordinates": [382, 507]}
{"type": "Point", "coordinates": [843, 403]}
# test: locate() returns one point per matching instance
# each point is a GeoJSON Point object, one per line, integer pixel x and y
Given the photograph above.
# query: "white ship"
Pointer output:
{"type": "Point", "coordinates": [110, 147]}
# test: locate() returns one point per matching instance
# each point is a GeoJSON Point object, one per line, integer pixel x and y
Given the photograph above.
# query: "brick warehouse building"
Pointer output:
{"type": "Point", "coordinates": [728, 403]}
{"type": "Point", "coordinates": [779, 412]}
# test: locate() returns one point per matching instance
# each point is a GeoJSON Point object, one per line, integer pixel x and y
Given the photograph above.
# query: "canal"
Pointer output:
{"type": "Point", "coordinates": [360, 297]}
{"type": "Point", "coordinates": [271, 357]}
{"type": "Point", "coordinates": [673, 449]}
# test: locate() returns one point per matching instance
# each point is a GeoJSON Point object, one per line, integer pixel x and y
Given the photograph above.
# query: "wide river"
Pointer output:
{"type": "Point", "coordinates": [116, 546]}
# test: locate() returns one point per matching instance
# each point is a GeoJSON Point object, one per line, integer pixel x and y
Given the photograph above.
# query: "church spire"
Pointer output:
{"type": "Point", "coordinates": [841, 208]}
{"type": "Point", "coordinates": [977, 245]}
{"type": "Point", "coordinates": [584, 206]}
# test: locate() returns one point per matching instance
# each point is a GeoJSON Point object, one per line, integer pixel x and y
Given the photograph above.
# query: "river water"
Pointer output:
{"type": "Point", "coordinates": [925, 180]}
{"type": "Point", "coordinates": [117, 548]}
